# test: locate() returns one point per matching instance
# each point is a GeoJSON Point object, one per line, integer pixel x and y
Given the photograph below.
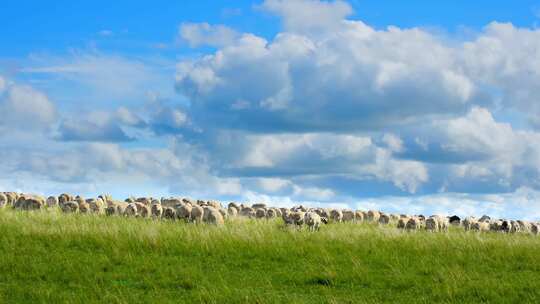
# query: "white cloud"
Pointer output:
{"type": "Point", "coordinates": [202, 34]}
{"type": "Point", "coordinates": [307, 16]}
{"type": "Point", "coordinates": [25, 109]}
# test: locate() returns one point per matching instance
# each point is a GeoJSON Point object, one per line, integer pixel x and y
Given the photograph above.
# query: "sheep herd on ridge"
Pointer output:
{"type": "Point", "coordinates": [213, 212]}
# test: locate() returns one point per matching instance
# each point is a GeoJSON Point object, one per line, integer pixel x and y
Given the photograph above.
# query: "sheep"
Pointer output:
{"type": "Point", "coordinates": [524, 226]}
{"type": "Point", "coordinates": [348, 215]}
{"type": "Point", "coordinates": [64, 198]}
{"type": "Point", "coordinates": [297, 217]}
{"type": "Point", "coordinates": [11, 198]}
{"type": "Point", "coordinates": [437, 223]}
{"type": "Point", "coordinates": [336, 215]}
{"type": "Point", "coordinates": [232, 211]}
{"type": "Point", "coordinates": [271, 213]}
{"type": "Point", "coordinates": [505, 226]}
{"type": "Point", "coordinates": [131, 210]}
{"type": "Point", "coordinates": [248, 212]}
{"type": "Point", "coordinates": [495, 225]}
{"type": "Point", "coordinates": [107, 199]}
{"type": "Point", "coordinates": [414, 223]}
{"type": "Point", "coordinates": [480, 226]}
{"type": "Point", "coordinates": [454, 220]}
{"type": "Point", "coordinates": [260, 213]}
{"type": "Point", "coordinates": [96, 205]}
{"type": "Point", "coordinates": [373, 216]}
{"type": "Point", "coordinates": [168, 213]}
{"type": "Point", "coordinates": [143, 210]}
{"type": "Point", "coordinates": [183, 211]}
{"type": "Point", "coordinates": [312, 220]}
{"type": "Point", "coordinates": [535, 228]}
{"type": "Point", "coordinates": [402, 222]}
{"type": "Point", "coordinates": [212, 215]}
{"type": "Point", "coordinates": [515, 228]}
{"type": "Point", "coordinates": [84, 207]}
{"type": "Point", "coordinates": [3, 200]}
{"type": "Point", "coordinates": [197, 213]}
{"type": "Point", "coordinates": [29, 202]}
{"type": "Point", "coordinates": [52, 201]}
{"type": "Point", "coordinates": [233, 205]}
{"type": "Point", "coordinates": [69, 207]}
{"type": "Point", "coordinates": [287, 218]}
{"type": "Point", "coordinates": [156, 210]}
{"type": "Point", "coordinates": [468, 222]}
{"type": "Point", "coordinates": [358, 216]}
{"type": "Point", "coordinates": [384, 219]}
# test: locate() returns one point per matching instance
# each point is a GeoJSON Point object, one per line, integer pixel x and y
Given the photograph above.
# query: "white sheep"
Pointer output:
{"type": "Point", "coordinates": [312, 220]}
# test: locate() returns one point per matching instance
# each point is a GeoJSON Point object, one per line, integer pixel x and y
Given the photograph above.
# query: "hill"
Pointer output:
{"type": "Point", "coordinates": [49, 257]}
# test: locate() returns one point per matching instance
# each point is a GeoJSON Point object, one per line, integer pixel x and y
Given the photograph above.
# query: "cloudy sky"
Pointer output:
{"type": "Point", "coordinates": [418, 107]}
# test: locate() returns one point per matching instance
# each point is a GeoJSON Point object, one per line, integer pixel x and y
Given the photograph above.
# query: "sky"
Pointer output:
{"type": "Point", "coordinates": [402, 106]}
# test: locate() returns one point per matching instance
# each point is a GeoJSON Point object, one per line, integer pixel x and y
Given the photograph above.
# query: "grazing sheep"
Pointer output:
{"type": "Point", "coordinates": [535, 228]}
{"type": "Point", "coordinates": [358, 216]}
{"type": "Point", "coordinates": [402, 222]}
{"type": "Point", "coordinates": [297, 217]}
{"type": "Point", "coordinates": [271, 213]}
{"type": "Point", "coordinates": [107, 199]}
{"type": "Point", "coordinates": [233, 205]}
{"type": "Point", "coordinates": [183, 211]}
{"type": "Point", "coordinates": [287, 217]}
{"type": "Point", "coordinates": [373, 216]}
{"type": "Point", "coordinates": [480, 226]}
{"type": "Point", "coordinates": [348, 215]}
{"type": "Point", "coordinates": [64, 198]}
{"type": "Point", "coordinates": [168, 213]}
{"type": "Point", "coordinates": [52, 201]}
{"type": "Point", "coordinates": [468, 222]}
{"type": "Point", "coordinates": [131, 210]}
{"type": "Point", "coordinates": [384, 219]}
{"type": "Point", "coordinates": [248, 212]}
{"type": "Point", "coordinates": [437, 223]}
{"type": "Point", "coordinates": [495, 225]}
{"type": "Point", "coordinates": [415, 223]}
{"type": "Point", "coordinates": [11, 197]}
{"type": "Point", "coordinates": [70, 207]}
{"type": "Point", "coordinates": [336, 215]}
{"type": "Point", "coordinates": [97, 206]}
{"type": "Point", "coordinates": [142, 210]}
{"type": "Point", "coordinates": [312, 220]}
{"type": "Point", "coordinates": [524, 226]}
{"type": "Point", "coordinates": [232, 211]}
{"type": "Point", "coordinates": [84, 207]}
{"type": "Point", "coordinates": [515, 228]}
{"type": "Point", "coordinates": [454, 220]}
{"type": "Point", "coordinates": [156, 210]}
{"type": "Point", "coordinates": [197, 213]}
{"type": "Point", "coordinates": [212, 215]}
{"type": "Point", "coordinates": [260, 213]}
{"type": "Point", "coordinates": [3, 200]}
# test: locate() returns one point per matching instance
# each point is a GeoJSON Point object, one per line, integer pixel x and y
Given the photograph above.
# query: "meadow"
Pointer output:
{"type": "Point", "coordinates": [50, 257]}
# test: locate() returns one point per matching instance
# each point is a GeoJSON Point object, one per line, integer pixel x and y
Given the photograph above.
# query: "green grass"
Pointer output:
{"type": "Point", "coordinates": [47, 257]}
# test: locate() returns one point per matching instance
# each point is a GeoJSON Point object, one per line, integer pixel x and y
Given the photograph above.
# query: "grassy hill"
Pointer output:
{"type": "Point", "coordinates": [49, 257]}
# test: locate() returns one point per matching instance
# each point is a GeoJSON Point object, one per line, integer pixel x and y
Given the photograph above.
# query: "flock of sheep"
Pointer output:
{"type": "Point", "coordinates": [212, 212]}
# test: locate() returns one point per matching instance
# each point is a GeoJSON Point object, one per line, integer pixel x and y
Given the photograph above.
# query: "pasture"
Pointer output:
{"type": "Point", "coordinates": [50, 257]}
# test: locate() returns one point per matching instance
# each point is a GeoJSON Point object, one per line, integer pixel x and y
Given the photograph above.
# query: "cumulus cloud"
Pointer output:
{"type": "Point", "coordinates": [204, 34]}
{"type": "Point", "coordinates": [25, 108]}
{"type": "Point", "coordinates": [306, 16]}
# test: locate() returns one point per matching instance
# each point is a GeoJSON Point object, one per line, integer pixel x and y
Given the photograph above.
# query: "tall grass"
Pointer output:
{"type": "Point", "coordinates": [48, 257]}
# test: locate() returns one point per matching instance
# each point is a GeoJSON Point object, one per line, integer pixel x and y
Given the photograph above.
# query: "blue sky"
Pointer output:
{"type": "Point", "coordinates": [416, 106]}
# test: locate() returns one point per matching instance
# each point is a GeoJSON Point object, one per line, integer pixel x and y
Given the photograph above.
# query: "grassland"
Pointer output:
{"type": "Point", "coordinates": [47, 257]}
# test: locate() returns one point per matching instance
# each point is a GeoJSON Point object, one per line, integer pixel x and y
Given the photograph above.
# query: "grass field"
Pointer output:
{"type": "Point", "coordinates": [47, 257]}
